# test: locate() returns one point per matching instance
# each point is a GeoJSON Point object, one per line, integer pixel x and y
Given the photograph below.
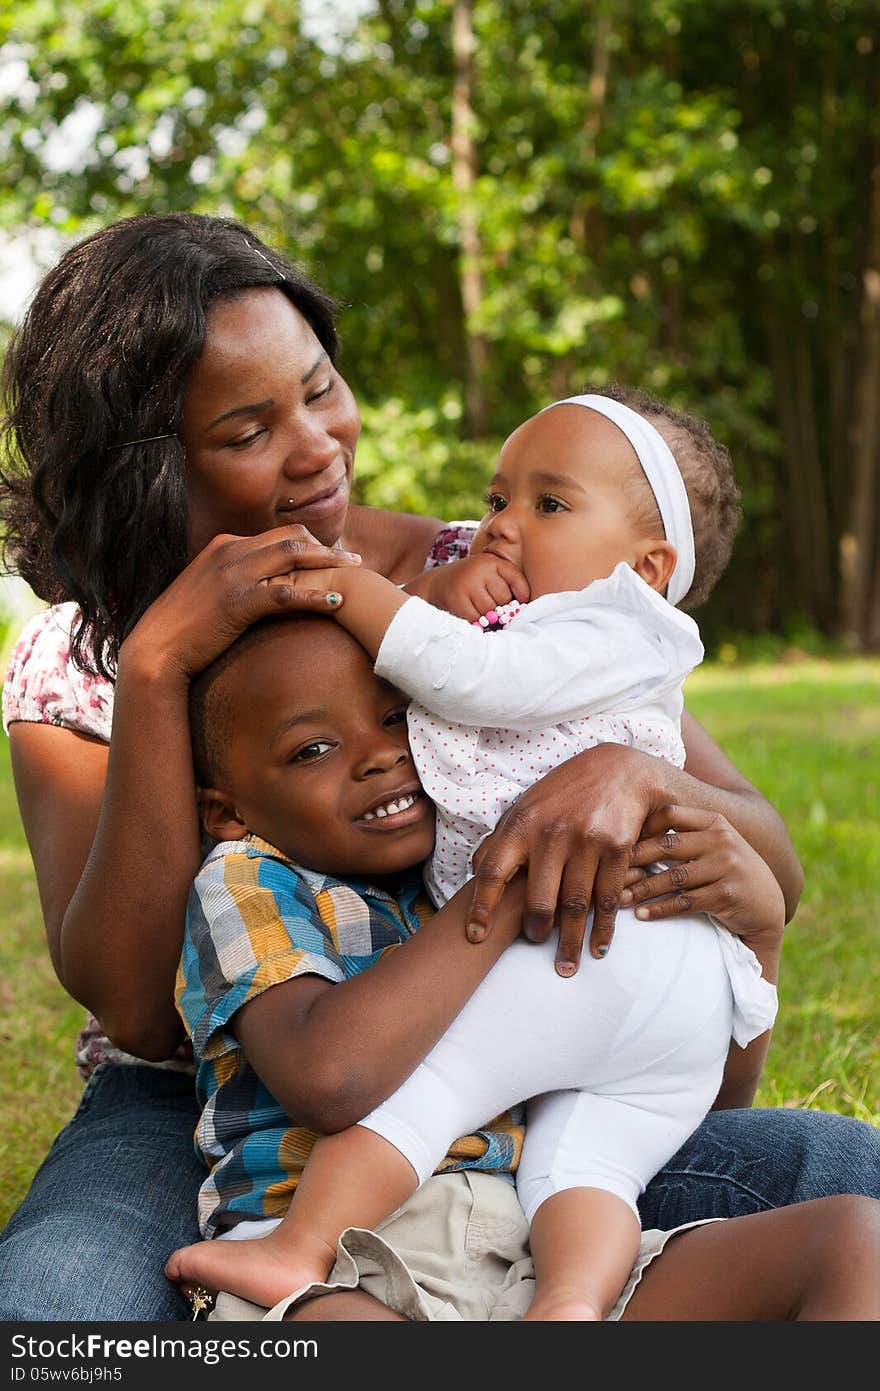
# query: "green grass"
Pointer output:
{"type": "Point", "coordinates": [807, 734]}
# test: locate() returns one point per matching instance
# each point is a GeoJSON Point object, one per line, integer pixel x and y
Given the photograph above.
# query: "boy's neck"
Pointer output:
{"type": "Point", "coordinates": [388, 883]}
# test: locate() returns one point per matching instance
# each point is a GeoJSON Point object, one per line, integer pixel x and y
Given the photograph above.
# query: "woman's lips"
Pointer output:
{"type": "Point", "coordinates": [324, 502]}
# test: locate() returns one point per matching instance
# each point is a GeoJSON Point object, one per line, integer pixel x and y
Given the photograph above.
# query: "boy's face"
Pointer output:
{"type": "Point", "coordinates": [318, 757]}
{"type": "Point", "coordinates": [563, 503]}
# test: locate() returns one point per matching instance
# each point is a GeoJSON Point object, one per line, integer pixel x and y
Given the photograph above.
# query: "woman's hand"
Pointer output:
{"type": "Point", "coordinates": [713, 870]}
{"type": "Point", "coordinates": [574, 831]}
{"type": "Point", "coordinates": [233, 582]}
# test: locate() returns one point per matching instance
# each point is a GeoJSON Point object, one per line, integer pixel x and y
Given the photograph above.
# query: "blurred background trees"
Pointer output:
{"type": "Point", "coordinates": [518, 201]}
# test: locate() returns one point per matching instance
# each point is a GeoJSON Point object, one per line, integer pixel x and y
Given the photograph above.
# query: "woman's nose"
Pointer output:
{"type": "Point", "coordinates": [312, 448]}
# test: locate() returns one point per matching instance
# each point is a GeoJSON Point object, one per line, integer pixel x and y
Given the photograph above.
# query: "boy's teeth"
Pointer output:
{"type": "Point", "coordinates": [390, 808]}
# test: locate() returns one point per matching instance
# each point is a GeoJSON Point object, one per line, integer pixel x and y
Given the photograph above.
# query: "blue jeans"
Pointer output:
{"type": "Point", "coordinates": [117, 1192]}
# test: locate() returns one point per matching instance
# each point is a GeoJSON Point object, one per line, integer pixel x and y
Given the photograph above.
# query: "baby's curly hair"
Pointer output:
{"type": "Point", "coordinates": [707, 471]}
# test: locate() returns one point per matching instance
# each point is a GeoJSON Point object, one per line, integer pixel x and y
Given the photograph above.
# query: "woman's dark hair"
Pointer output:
{"type": "Point", "coordinates": [100, 360]}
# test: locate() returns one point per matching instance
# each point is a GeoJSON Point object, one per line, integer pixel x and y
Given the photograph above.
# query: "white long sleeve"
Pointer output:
{"type": "Point", "coordinates": [614, 645]}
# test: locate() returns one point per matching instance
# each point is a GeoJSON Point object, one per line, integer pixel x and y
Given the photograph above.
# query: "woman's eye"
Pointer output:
{"type": "Point", "coordinates": [495, 502]}
{"type": "Point", "coordinates": [311, 751]}
{"type": "Point", "coordinates": [245, 440]}
{"type": "Point", "coordinates": [319, 395]}
{"type": "Point", "coordinates": [550, 504]}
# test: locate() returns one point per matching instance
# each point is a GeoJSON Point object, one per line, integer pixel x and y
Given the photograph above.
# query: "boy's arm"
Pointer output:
{"type": "Point", "coordinates": [330, 1053]}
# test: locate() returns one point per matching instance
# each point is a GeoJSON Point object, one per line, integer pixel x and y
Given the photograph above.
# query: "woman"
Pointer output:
{"type": "Point", "coordinates": [187, 439]}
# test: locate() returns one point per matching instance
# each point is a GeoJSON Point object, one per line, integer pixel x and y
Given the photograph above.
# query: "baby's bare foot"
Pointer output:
{"type": "Point", "coordinates": [262, 1270]}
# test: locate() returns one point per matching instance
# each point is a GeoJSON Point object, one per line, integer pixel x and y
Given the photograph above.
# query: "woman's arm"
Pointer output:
{"type": "Point", "coordinates": [575, 830]}
{"type": "Point", "coordinates": [330, 1053]}
{"type": "Point", "coordinates": [756, 819]}
{"type": "Point", "coordinates": [114, 835]}
{"type": "Point", "coordinates": [711, 868]}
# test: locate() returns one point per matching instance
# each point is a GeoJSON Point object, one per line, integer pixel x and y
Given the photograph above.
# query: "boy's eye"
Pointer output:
{"type": "Point", "coordinates": [546, 503]}
{"type": "Point", "coordinates": [495, 502]}
{"type": "Point", "coordinates": [396, 716]}
{"type": "Point", "coordinates": [308, 752]}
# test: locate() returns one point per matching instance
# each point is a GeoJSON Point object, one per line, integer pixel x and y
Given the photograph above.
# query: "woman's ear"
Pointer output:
{"type": "Point", "coordinates": [655, 563]}
{"type": "Point", "coordinates": [219, 816]}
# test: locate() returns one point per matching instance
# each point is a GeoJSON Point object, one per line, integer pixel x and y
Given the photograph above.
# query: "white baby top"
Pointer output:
{"type": "Point", "coordinates": [494, 712]}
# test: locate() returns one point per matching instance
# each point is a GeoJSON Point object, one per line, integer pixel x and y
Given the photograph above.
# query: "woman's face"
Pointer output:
{"type": "Point", "coordinates": [269, 426]}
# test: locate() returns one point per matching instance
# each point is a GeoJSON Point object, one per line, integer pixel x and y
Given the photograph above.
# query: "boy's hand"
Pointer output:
{"type": "Point", "coordinates": [471, 587]}
{"type": "Point", "coordinates": [713, 870]}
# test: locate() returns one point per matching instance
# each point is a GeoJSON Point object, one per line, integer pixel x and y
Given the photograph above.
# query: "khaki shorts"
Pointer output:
{"type": "Point", "coordinates": [457, 1250]}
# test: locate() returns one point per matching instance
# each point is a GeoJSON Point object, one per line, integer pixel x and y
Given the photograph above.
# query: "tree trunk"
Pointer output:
{"type": "Point", "coordinates": [464, 176]}
{"type": "Point", "coordinates": [861, 621]}
{"type": "Point", "coordinates": [804, 508]}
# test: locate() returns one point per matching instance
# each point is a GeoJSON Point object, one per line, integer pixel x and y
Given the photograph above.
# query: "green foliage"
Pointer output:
{"type": "Point", "coordinates": [696, 225]}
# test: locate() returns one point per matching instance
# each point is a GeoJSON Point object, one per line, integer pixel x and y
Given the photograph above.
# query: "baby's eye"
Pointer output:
{"type": "Point", "coordinates": [546, 503]}
{"type": "Point", "coordinates": [495, 502]}
{"type": "Point", "coordinates": [309, 752]}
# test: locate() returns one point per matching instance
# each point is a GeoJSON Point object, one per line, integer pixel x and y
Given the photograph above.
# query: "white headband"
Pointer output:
{"type": "Point", "coordinates": [664, 476]}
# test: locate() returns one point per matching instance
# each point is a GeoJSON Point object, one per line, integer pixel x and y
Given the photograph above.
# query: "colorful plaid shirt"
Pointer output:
{"type": "Point", "coordinates": [254, 920]}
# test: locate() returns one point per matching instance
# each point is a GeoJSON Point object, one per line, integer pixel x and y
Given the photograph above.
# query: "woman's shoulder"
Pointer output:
{"type": "Point", "coordinates": [402, 544]}
{"type": "Point", "coordinates": [44, 686]}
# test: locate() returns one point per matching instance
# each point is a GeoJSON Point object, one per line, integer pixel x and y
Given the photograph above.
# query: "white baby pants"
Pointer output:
{"type": "Point", "coordinates": [620, 1062]}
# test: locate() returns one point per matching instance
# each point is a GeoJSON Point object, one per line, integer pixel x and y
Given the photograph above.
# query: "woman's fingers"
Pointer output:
{"type": "Point", "coordinates": [495, 863]}
{"type": "Point", "coordinates": [607, 891]}
{"type": "Point", "coordinates": [686, 901]}
{"type": "Point", "coordinates": [573, 912]}
{"type": "Point", "coordinates": [545, 874]}
{"type": "Point", "coordinates": [681, 819]}
{"type": "Point", "coordinates": [278, 552]}
{"type": "Point", "coordinates": [672, 845]}
{"type": "Point", "coordinates": [678, 878]}
{"type": "Point", "coordinates": [634, 875]}
{"type": "Point", "coordinates": [292, 597]}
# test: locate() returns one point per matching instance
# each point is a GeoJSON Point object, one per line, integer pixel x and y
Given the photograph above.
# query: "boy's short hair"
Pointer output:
{"type": "Point", "coordinates": [707, 471]}
{"type": "Point", "coordinates": [212, 709]}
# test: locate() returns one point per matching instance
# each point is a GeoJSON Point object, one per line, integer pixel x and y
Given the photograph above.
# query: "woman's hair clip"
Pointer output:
{"type": "Point", "coordinates": [148, 439]}
{"type": "Point", "coordinates": [257, 252]}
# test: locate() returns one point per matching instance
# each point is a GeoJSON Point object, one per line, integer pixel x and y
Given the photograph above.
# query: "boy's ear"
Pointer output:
{"type": "Point", "coordinates": [656, 563]}
{"type": "Point", "coordinates": [219, 816]}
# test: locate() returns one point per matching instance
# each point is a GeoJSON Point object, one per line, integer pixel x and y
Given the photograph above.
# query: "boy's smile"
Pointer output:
{"type": "Point", "coordinates": [317, 759]}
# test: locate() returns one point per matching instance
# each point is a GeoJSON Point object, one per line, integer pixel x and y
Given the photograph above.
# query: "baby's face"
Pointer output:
{"type": "Point", "coordinates": [563, 502]}
{"type": "Point", "coordinates": [318, 762]}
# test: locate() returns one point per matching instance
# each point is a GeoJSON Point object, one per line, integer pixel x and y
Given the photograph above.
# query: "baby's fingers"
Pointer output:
{"type": "Point", "coordinates": [512, 581]}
